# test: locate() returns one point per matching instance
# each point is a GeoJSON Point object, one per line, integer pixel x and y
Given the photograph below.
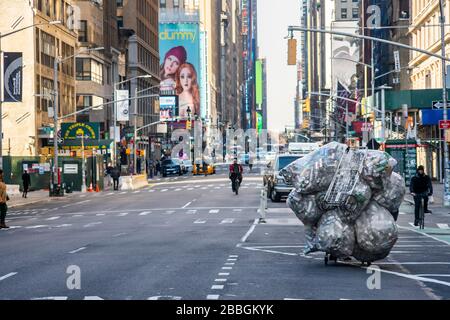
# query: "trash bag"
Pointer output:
{"type": "Point", "coordinates": [391, 197]}
{"type": "Point", "coordinates": [366, 256]}
{"type": "Point", "coordinates": [356, 202]}
{"type": "Point", "coordinates": [305, 207]}
{"type": "Point", "coordinates": [376, 231]}
{"type": "Point", "coordinates": [334, 236]}
{"type": "Point", "coordinates": [377, 165]}
{"type": "Point", "coordinates": [314, 172]}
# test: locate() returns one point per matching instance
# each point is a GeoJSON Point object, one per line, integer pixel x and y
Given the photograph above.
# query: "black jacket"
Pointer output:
{"type": "Point", "coordinates": [26, 179]}
{"type": "Point", "coordinates": [421, 184]}
{"type": "Point", "coordinates": [115, 173]}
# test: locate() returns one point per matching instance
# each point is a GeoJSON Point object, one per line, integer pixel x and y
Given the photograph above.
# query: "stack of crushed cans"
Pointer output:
{"type": "Point", "coordinates": [348, 204]}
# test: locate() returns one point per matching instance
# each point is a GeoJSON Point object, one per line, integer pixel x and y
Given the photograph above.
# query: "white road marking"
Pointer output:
{"type": "Point", "coordinates": [237, 210]}
{"type": "Point", "coordinates": [92, 298]}
{"type": "Point", "coordinates": [110, 194]}
{"type": "Point", "coordinates": [63, 225]}
{"type": "Point", "coordinates": [230, 263]}
{"type": "Point", "coordinates": [227, 268]}
{"type": "Point", "coordinates": [249, 232]}
{"type": "Point", "coordinates": [170, 212]}
{"type": "Point", "coordinates": [92, 224]}
{"type": "Point", "coordinates": [123, 214]}
{"type": "Point", "coordinates": [77, 215]}
{"type": "Point", "coordinates": [82, 196]}
{"type": "Point", "coordinates": [443, 225]}
{"type": "Point", "coordinates": [8, 276]}
{"type": "Point", "coordinates": [50, 298]}
{"type": "Point", "coordinates": [212, 297]}
{"type": "Point", "coordinates": [187, 205]}
{"type": "Point", "coordinates": [35, 227]}
{"type": "Point", "coordinates": [214, 211]}
{"type": "Point", "coordinates": [164, 190]}
{"type": "Point", "coordinates": [190, 188]}
{"type": "Point", "coordinates": [100, 214]}
{"type": "Point", "coordinates": [191, 212]}
{"type": "Point", "coordinates": [224, 274]}
{"type": "Point", "coordinates": [217, 287]}
{"type": "Point", "coordinates": [178, 189]}
{"type": "Point", "coordinates": [233, 256]}
{"type": "Point", "coordinates": [232, 259]}
{"type": "Point", "coordinates": [144, 213]}
{"type": "Point", "coordinates": [119, 235]}
{"type": "Point", "coordinates": [52, 218]}
{"type": "Point", "coordinates": [433, 275]}
{"type": "Point", "coordinates": [199, 221]}
{"type": "Point", "coordinates": [77, 250]}
{"type": "Point", "coordinates": [230, 220]}
{"type": "Point", "coordinates": [123, 192]}
{"type": "Point", "coordinates": [220, 280]}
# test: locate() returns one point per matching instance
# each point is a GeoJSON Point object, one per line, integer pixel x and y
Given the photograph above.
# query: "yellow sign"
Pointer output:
{"type": "Point", "coordinates": [292, 52]}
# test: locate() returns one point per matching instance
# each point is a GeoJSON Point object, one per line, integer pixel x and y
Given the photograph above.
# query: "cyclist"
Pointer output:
{"type": "Point", "coordinates": [420, 187]}
{"type": "Point", "coordinates": [235, 172]}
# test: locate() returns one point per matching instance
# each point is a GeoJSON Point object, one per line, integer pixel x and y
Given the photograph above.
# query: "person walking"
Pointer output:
{"type": "Point", "coordinates": [420, 187]}
{"type": "Point", "coordinates": [3, 198]}
{"type": "Point", "coordinates": [158, 167]}
{"type": "Point", "coordinates": [26, 181]}
{"type": "Point", "coordinates": [115, 174]}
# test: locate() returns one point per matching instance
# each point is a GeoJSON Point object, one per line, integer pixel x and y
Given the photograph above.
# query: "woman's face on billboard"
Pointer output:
{"type": "Point", "coordinates": [171, 65]}
{"type": "Point", "coordinates": [186, 79]}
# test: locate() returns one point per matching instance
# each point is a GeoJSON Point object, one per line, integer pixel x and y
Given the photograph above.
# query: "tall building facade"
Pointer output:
{"type": "Point", "coordinates": [28, 123]}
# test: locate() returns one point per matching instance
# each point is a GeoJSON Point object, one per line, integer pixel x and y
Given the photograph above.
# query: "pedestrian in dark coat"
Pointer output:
{"type": "Point", "coordinates": [115, 174]}
{"type": "Point", "coordinates": [26, 180]}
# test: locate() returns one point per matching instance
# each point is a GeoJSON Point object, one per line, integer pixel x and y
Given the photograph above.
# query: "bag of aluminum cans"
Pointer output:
{"type": "Point", "coordinates": [314, 172]}
{"type": "Point", "coordinates": [391, 197]}
{"type": "Point", "coordinates": [310, 239]}
{"type": "Point", "coordinates": [377, 165]}
{"type": "Point", "coordinates": [376, 232]}
{"type": "Point", "coordinates": [305, 207]}
{"type": "Point", "coordinates": [335, 236]}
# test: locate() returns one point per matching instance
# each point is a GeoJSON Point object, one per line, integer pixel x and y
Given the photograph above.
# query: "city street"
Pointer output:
{"type": "Point", "coordinates": [192, 238]}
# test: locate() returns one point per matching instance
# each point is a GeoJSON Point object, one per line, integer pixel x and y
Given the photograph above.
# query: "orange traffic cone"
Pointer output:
{"type": "Point", "coordinates": [97, 188]}
{"type": "Point", "coordinates": [90, 188]}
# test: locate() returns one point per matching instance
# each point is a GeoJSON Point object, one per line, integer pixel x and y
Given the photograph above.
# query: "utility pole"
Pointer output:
{"type": "Point", "coordinates": [55, 121]}
{"type": "Point", "coordinates": [444, 100]}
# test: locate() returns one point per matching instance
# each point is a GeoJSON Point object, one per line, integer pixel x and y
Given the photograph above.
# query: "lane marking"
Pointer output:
{"type": "Point", "coordinates": [144, 213]}
{"type": "Point", "coordinates": [433, 275]}
{"type": "Point", "coordinates": [178, 189]}
{"type": "Point", "coordinates": [224, 274]}
{"type": "Point", "coordinates": [35, 227]}
{"type": "Point", "coordinates": [123, 214]}
{"type": "Point", "coordinates": [227, 268]}
{"type": "Point", "coordinates": [191, 212]}
{"type": "Point", "coordinates": [77, 250]}
{"type": "Point", "coordinates": [232, 259]}
{"type": "Point", "coordinates": [8, 276]}
{"type": "Point", "coordinates": [237, 210]}
{"type": "Point", "coordinates": [187, 205]}
{"type": "Point", "coordinates": [249, 232]}
{"type": "Point", "coordinates": [100, 214]}
{"type": "Point", "coordinates": [52, 218]}
{"type": "Point", "coordinates": [212, 297]}
{"type": "Point", "coordinates": [233, 256]}
{"type": "Point", "coordinates": [110, 194]}
{"type": "Point", "coordinates": [63, 225]}
{"type": "Point", "coordinates": [120, 234]}
{"type": "Point", "coordinates": [199, 221]}
{"type": "Point", "coordinates": [169, 212]}
{"type": "Point", "coordinates": [214, 211]}
{"type": "Point", "coordinates": [230, 263]}
{"type": "Point", "coordinates": [164, 190]}
{"type": "Point", "coordinates": [50, 298]}
{"type": "Point", "coordinates": [229, 220]}
{"type": "Point", "coordinates": [92, 298]}
{"type": "Point", "coordinates": [217, 287]}
{"type": "Point", "coordinates": [220, 280]}
{"type": "Point", "coordinates": [92, 224]}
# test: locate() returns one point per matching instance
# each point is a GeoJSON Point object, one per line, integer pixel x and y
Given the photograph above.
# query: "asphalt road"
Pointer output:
{"type": "Point", "coordinates": [191, 238]}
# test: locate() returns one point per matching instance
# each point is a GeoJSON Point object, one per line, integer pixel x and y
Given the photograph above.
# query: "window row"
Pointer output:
{"type": "Point", "coordinates": [88, 69]}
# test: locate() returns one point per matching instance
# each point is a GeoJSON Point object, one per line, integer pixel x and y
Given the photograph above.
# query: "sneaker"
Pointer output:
{"type": "Point", "coordinates": [4, 226]}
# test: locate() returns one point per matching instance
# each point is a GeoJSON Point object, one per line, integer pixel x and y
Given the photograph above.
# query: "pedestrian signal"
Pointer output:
{"type": "Point", "coordinates": [292, 52]}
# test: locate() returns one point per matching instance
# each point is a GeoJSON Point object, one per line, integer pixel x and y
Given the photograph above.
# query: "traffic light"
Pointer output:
{"type": "Point", "coordinates": [307, 105]}
{"type": "Point", "coordinates": [292, 52]}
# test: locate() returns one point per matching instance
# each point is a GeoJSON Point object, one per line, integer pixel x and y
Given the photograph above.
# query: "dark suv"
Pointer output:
{"type": "Point", "coordinates": [276, 185]}
{"type": "Point", "coordinates": [169, 167]}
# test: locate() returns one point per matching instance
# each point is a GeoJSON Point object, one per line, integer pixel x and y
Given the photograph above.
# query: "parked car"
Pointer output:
{"type": "Point", "coordinates": [276, 185]}
{"type": "Point", "coordinates": [188, 166]}
{"type": "Point", "coordinates": [170, 166]}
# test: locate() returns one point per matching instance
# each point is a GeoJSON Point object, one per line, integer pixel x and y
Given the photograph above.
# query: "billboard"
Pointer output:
{"type": "Point", "coordinates": [259, 84]}
{"type": "Point", "coordinates": [167, 107]}
{"type": "Point", "coordinates": [122, 111]}
{"type": "Point", "coordinates": [179, 47]}
{"type": "Point", "coordinates": [12, 76]}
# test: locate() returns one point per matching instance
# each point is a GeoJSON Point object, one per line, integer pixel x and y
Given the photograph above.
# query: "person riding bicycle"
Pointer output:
{"type": "Point", "coordinates": [420, 187]}
{"type": "Point", "coordinates": [235, 172]}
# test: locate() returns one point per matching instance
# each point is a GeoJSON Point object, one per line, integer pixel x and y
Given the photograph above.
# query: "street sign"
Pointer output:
{"type": "Point", "coordinates": [444, 124]}
{"type": "Point", "coordinates": [397, 61]}
{"type": "Point", "coordinates": [439, 105]}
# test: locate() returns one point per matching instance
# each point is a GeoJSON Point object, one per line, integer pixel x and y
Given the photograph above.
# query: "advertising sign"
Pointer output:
{"type": "Point", "coordinates": [72, 131]}
{"type": "Point", "coordinates": [168, 107]}
{"type": "Point", "coordinates": [259, 84]}
{"type": "Point", "coordinates": [12, 76]}
{"type": "Point", "coordinates": [123, 112]}
{"type": "Point", "coordinates": [71, 168]}
{"type": "Point", "coordinates": [179, 46]}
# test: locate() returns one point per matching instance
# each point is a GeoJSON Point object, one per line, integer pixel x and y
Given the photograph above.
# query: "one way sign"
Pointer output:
{"type": "Point", "coordinates": [439, 105]}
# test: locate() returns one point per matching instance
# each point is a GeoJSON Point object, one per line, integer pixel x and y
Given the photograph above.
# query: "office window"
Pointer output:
{"type": "Point", "coordinates": [344, 13]}
{"type": "Point", "coordinates": [119, 22]}
{"type": "Point", "coordinates": [119, 3]}
{"type": "Point", "coordinates": [176, 3]}
{"type": "Point", "coordinates": [48, 49]}
{"type": "Point", "coordinates": [83, 32]}
{"type": "Point", "coordinates": [162, 4]}
{"type": "Point", "coordinates": [89, 70]}
{"type": "Point", "coordinates": [355, 13]}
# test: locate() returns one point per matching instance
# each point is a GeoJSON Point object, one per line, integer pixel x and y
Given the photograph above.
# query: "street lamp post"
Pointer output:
{"type": "Point", "coordinates": [4, 35]}
{"type": "Point", "coordinates": [446, 200]}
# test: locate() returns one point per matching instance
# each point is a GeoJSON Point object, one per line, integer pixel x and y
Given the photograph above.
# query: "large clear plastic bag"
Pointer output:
{"type": "Point", "coordinates": [356, 202]}
{"type": "Point", "coordinates": [305, 207]}
{"type": "Point", "coordinates": [377, 165]}
{"type": "Point", "coordinates": [314, 172]}
{"type": "Point", "coordinates": [334, 236]}
{"type": "Point", "coordinates": [391, 197]}
{"type": "Point", "coordinates": [311, 239]}
{"type": "Point", "coordinates": [376, 231]}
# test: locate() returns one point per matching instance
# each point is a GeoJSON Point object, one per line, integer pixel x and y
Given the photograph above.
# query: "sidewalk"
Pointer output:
{"type": "Point", "coordinates": [33, 197]}
{"type": "Point", "coordinates": [438, 206]}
